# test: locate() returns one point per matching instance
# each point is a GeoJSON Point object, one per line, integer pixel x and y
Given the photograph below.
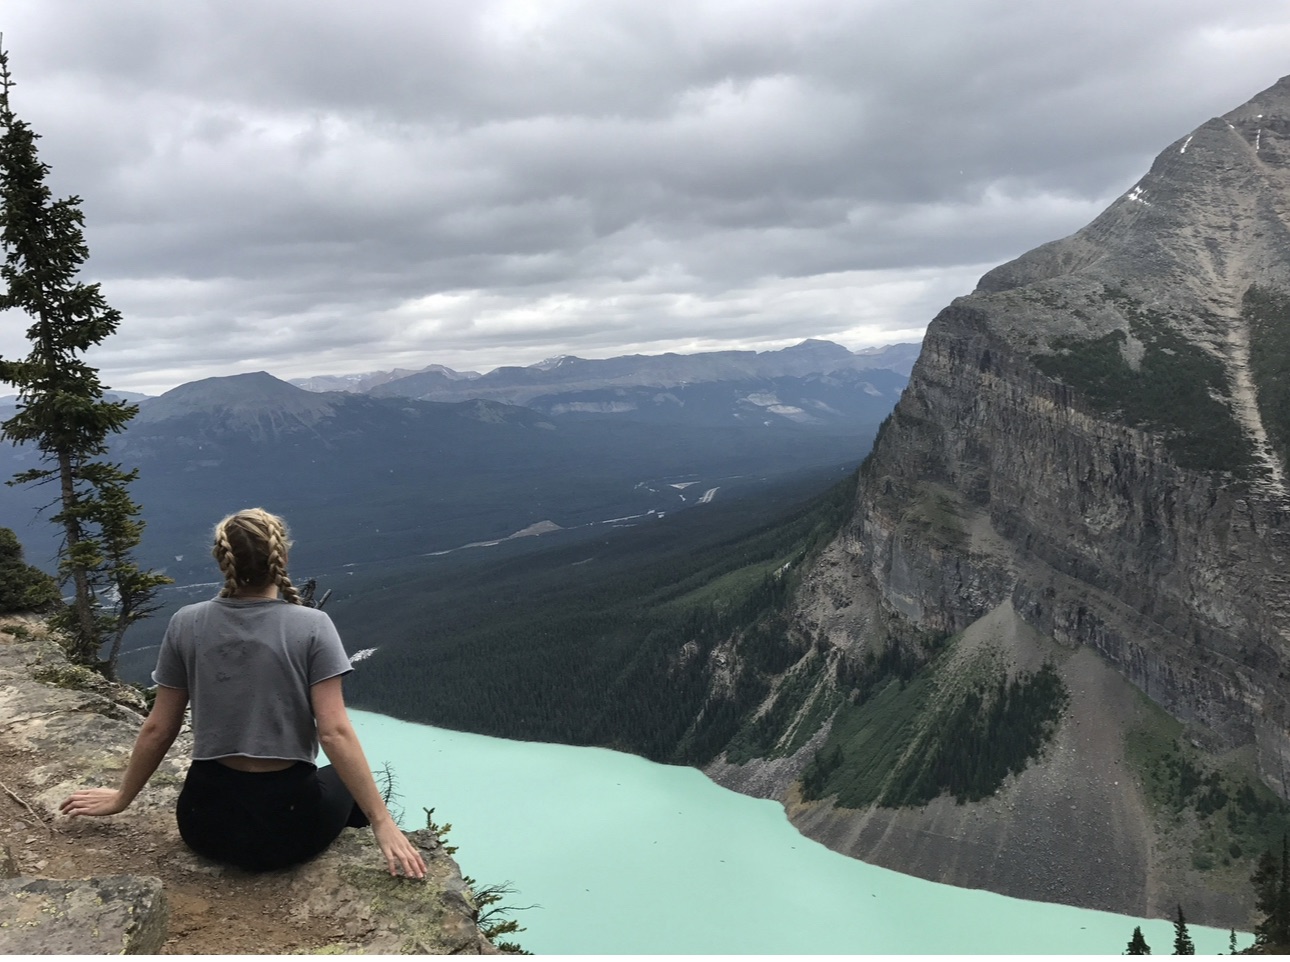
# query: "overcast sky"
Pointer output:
{"type": "Point", "coordinates": [332, 187]}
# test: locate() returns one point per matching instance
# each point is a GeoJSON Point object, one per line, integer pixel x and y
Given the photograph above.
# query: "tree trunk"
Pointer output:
{"type": "Point", "coordinates": [85, 644]}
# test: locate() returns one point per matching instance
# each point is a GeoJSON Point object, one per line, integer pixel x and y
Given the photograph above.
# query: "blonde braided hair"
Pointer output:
{"type": "Point", "coordinates": [251, 550]}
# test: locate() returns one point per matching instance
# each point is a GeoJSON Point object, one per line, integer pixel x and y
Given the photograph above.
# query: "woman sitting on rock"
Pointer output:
{"type": "Point", "coordinates": [264, 675]}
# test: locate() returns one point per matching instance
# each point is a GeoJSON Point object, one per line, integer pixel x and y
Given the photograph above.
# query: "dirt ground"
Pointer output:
{"type": "Point", "coordinates": [230, 913]}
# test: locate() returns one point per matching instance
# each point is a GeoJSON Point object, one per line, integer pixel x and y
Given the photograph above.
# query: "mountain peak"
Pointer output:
{"type": "Point", "coordinates": [366, 381]}
{"type": "Point", "coordinates": [819, 346]}
{"type": "Point", "coordinates": [238, 396]}
{"type": "Point", "coordinates": [551, 363]}
{"type": "Point", "coordinates": [1087, 426]}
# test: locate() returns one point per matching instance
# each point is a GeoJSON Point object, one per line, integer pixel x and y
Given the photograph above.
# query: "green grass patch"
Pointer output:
{"type": "Point", "coordinates": [1236, 816]}
{"type": "Point", "coordinates": [911, 742]}
{"type": "Point", "coordinates": [725, 587]}
{"type": "Point", "coordinates": [602, 639]}
{"type": "Point", "coordinates": [1268, 314]}
{"type": "Point", "coordinates": [1146, 747]}
{"type": "Point", "coordinates": [991, 732]}
{"type": "Point", "coordinates": [936, 515]}
{"type": "Point", "coordinates": [866, 743]}
{"type": "Point", "coordinates": [760, 737]}
{"type": "Point", "coordinates": [1174, 392]}
{"type": "Point", "coordinates": [821, 707]}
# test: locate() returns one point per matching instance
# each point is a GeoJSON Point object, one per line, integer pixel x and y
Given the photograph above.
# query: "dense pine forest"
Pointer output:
{"type": "Point", "coordinates": [666, 641]}
{"type": "Point", "coordinates": [606, 641]}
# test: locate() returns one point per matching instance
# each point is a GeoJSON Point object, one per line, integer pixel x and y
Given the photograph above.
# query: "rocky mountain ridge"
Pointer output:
{"type": "Point", "coordinates": [552, 379]}
{"type": "Point", "coordinates": [1086, 470]}
{"type": "Point", "coordinates": [362, 383]}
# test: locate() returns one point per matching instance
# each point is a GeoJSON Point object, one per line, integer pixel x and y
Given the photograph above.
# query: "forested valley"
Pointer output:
{"type": "Point", "coordinates": [606, 641]}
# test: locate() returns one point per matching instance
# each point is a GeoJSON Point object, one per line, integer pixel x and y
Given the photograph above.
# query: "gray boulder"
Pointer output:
{"type": "Point", "coordinates": [116, 915]}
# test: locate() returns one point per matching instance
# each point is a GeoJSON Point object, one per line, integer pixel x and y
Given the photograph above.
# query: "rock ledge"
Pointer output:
{"type": "Point", "coordinates": [62, 731]}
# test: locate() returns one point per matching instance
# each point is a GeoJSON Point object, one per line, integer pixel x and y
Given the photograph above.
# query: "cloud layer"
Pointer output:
{"type": "Point", "coordinates": [319, 187]}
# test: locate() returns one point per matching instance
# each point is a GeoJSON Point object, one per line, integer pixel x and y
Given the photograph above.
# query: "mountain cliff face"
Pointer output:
{"type": "Point", "coordinates": [1087, 471]}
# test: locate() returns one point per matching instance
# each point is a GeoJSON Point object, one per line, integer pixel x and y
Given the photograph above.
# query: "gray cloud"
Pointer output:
{"type": "Point", "coordinates": [325, 186]}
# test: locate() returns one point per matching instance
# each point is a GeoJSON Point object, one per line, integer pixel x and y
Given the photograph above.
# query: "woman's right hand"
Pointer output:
{"type": "Point", "coordinates": [401, 856]}
{"type": "Point", "coordinates": [93, 801]}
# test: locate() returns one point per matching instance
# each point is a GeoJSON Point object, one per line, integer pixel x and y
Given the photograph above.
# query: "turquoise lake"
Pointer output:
{"type": "Point", "coordinates": [626, 856]}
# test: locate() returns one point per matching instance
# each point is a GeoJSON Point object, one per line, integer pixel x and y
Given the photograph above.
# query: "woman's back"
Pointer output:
{"type": "Point", "coordinates": [248, 665]}
{"type": "Point", "coordinates": [263, 676]}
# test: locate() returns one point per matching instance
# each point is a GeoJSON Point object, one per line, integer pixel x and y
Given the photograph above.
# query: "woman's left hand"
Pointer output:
{"type": "Point", "coordinates": [400, 854]}
{"type": "Point", "coordinates": [93, 801]}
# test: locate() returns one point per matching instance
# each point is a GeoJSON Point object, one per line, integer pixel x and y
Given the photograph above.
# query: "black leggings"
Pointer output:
{"type": "Point", "coordinates": [263, 820]}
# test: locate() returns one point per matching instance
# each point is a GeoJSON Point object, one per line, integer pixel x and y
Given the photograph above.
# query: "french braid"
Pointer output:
{"type": "Point", "coordinates": [251, 549]}
{"type": "Point", "coordinates": [278, 560]}
{"type": "Point", "coordinates": [227, 559]}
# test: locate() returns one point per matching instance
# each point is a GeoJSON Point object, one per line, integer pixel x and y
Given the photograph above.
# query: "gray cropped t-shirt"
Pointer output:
{"type": "Point", "coordinates": [248, 665]}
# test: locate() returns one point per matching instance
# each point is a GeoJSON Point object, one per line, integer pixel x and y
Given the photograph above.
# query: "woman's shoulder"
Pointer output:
{"type": "Point", "coordinates": [302, 614]}
{"type": "Point", "coordinates": [254, 608]}
{"type": "Point", "coordinates": [188, 620]}
{"type": "Point", "coordinates": [190, 611]}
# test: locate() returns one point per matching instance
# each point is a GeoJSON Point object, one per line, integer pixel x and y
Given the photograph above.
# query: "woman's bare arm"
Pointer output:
{"type": "Point", "coordinates": [340, 742]}
{"type": "Point", "coordinates": [155, 738]}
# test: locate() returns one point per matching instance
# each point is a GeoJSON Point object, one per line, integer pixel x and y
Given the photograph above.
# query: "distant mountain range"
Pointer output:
{"type": "Point", "coordinates": [382, 484]}
{"type": "Point", "coordinates": [9, 402]}
{"type": "Point", "coordinates": [362, 383]}
{"type": "Point", "coordinates": [367, 477]}
{"type": "Point", "coordinates": [548, 382]}
{"type": "Point", "coordinates": [383, 474]}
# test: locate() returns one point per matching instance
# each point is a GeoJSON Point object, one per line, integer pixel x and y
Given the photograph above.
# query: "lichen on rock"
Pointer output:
{"type": "Point", "coordinates": [120, 915]}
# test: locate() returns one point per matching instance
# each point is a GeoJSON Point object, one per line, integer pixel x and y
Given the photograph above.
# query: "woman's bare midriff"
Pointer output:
{"type": "Point", "coordinates": [244, 763]}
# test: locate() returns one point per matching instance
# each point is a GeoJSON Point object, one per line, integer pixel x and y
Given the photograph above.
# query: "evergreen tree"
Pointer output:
{"type": "Point", "coordinates": [1138, 944]}
{"type": "Point", "coordinates": [1271, 881]}
{"type": "Point", "coordinates": [22, 587]}
{"type": "Point", "coordinates": [1281, 911]}
{"type": "Point", "coordinates": [61, 408]}
{"type": "Point", "coordinates": [119, 577]}
{"type": "Point", "coordinates": [1183, 944]}
{"type": "Point", "coordinates": [1265, 880]}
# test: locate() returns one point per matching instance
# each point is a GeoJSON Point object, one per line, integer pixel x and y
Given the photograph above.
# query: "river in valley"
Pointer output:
{"type": "Point", "coordinates": [625, 856]}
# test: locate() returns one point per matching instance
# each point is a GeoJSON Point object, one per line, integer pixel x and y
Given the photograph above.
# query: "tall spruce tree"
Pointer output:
{"type": "Point", "coordinates": [1271, 880]}
{"type": "Point", "coordinates": [61, 407]}
{"type": "Point", "coordinates": [1138, 944]}
{"type": "Point", "coordinates": [1183, 944]}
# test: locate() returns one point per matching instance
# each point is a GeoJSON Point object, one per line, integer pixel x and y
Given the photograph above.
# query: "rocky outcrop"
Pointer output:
{"type": "Point", "coordinates": [1088, 461]}
{"type": "Point", "coordinates": [1117, 533]}
{"type": "Point", "coordinates": [117, 915]}
{"type": "Point", "coordinates": [66, 728]}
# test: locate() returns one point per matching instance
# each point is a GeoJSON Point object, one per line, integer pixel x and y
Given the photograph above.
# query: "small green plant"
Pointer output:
{"type": "Point", "coordinates": [70, 677]}
{"type": "Point", "coordinates": [439, 831]}
{"type": "Point", "coordinates": [387, 783]}
{"type": "Point", "coordinates": [149, 695]}
{"type": "Point", "coordinates": [492, 919]}
{"type": "Point", "coordinates": [1183, 944]}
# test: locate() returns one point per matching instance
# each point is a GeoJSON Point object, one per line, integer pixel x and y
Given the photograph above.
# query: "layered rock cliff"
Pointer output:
{"type": "Point", "coordinates": [1088, 470]}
